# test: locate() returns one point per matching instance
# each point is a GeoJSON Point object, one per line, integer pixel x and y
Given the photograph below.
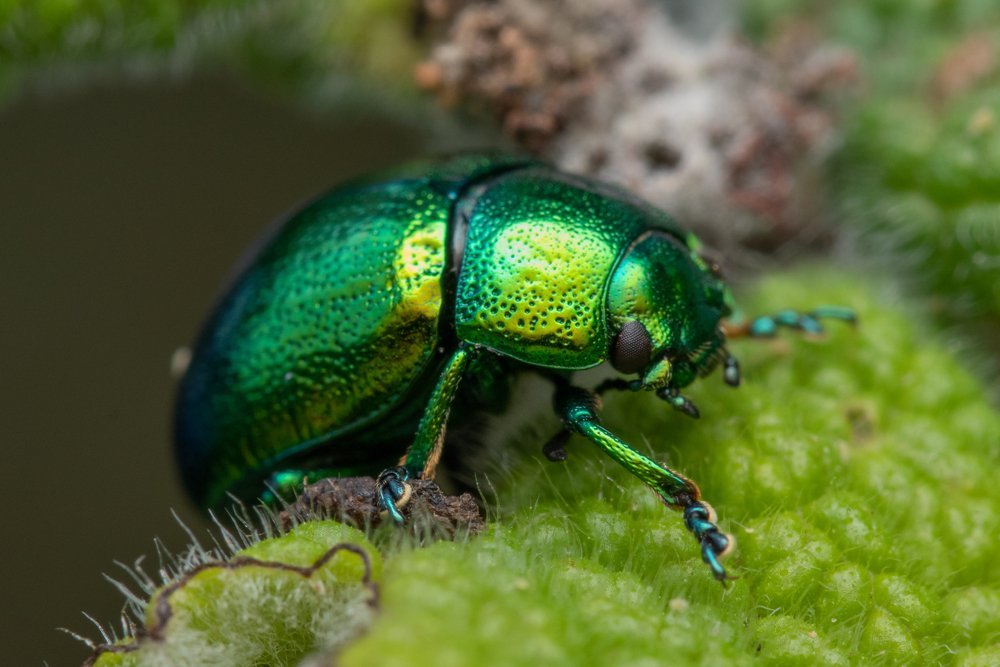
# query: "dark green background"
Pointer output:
{"type": "Point", "coordinates": [122, 208]}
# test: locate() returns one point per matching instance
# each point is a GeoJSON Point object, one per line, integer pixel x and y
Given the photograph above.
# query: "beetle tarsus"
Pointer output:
{"type": "Point", "coordinates": [835, 313]}
{"type": "Point", "coordinates": [731, 371]}
{"type": "Point", "coordinates": [392, 491]}
{"type": "Point", "coordinates": [715, 544]}
{"type": "Point", "coordinates": [680, 403]}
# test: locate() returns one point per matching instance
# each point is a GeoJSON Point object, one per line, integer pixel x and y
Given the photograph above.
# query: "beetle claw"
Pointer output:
{"type": "Point", "coordinates": [699, 518]}
{"type": "Point", "coordinates": [555, 448]}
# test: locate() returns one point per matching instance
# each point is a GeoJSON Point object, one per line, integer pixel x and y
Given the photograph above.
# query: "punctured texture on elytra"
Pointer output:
{"type": "Point", "coordinates": [363, 265]}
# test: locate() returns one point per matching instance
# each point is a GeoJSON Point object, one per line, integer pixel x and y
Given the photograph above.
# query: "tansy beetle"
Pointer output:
{"type": "Point", "coordinates": [344, 342]}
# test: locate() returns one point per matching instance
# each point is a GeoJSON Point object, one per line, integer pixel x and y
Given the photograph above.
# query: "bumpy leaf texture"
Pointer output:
{"type": "Point", "coordinates": [858, 474]}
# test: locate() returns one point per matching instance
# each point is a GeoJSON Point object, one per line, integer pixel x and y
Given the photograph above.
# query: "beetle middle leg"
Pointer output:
{"type": "Point", "coordinates": [423, 455]}
{"type": "Point", "coordinates": [578, 409]}
{"type": "Point", "coordinates": [555, 448]}
{"type": "Point", "coordinates": [767, 326]}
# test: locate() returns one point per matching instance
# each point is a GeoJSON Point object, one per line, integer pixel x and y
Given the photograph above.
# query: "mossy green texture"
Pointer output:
{"type": "Point", "coordinates": [919, 176]}
{"type": "Point", "coordinates": [858, 474]}
{"type": "Point", "coordinates": [301, 45]}
{"type": "Point", "coordinates": [43, 29]}
{"type": "Point", "coordinates": [273, 603]}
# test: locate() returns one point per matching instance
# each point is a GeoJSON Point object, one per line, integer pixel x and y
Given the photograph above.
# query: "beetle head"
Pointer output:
{"type": "Point", "coordinates": [664, 306]}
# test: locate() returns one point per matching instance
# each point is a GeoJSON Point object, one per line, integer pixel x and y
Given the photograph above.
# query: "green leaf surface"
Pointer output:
{"type": "Point", "coordinates": [273, 603]}
{"type": "Point", "coordinates": [857, 473]}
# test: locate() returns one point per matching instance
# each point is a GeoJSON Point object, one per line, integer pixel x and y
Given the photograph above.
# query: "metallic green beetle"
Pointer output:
{"type": "Point", "coordinates": [342, 344]}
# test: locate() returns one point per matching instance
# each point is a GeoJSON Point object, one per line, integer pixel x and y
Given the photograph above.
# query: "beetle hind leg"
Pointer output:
{"type": "Point", "coordinates": [578, 410]}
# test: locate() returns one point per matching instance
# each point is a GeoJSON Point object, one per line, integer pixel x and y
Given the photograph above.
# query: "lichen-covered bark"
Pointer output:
{"type": "Point", "coordinates": [725, 136]}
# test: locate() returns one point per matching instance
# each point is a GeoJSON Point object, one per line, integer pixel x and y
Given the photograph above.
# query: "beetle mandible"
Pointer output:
{"type": "Point", "coordinates": [342, 344]}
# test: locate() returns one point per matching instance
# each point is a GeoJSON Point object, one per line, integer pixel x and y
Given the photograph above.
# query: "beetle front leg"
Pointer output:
{"type": "Point", "coordinates": [578, 410]}
{"type": "Point", "coordinates": [420, 462]}
{"type": "Point", "coordinates": [767, 326]}
{"type": "Point", "coordinates": [392, 491]}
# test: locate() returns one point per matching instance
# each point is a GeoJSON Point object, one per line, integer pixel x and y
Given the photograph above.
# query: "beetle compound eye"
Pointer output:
{"type": "Point", "coordinates": [632, 349]}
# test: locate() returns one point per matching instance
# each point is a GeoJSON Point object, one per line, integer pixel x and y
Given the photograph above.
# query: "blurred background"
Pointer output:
{"type": "Point", "coordinates": [123, 208]}
{"type": "Point", "coordinates": [143, 145]}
